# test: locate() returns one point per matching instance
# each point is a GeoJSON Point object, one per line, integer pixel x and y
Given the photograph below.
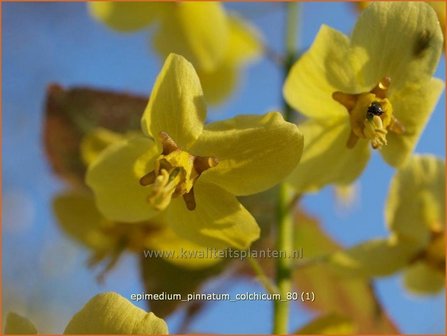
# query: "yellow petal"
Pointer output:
{"type": "Point", "coordinates": [197, 30]}
{"type": "Point", "coordinates": [218, 221]}
{"type": "Point", "coordinates": [78, 217]}
{"type": "Point", "coordinates": [377, 257]}
{"type": "Point", "coordinates": [126, 16]}
{"type": "Point", "coordinates": [254, 152]}
{"type": "Point", "coordinates": [412, 106]}
{"type": "Point", "coordinates": [403, 41]}
{"type": "Point", "coordinates": [114, 178]}
{"type": "Point", "coordinates": [440, 9]}
{"type": "Point", "coordinates": [95, 142]}
{"type": "Point", "coordinates": [330, 324]}
{"type": "Point", "coordinates": [176, 105]}
{"type": "Point", "coordinates": [416, 201]}
{"type": "Point", "coordinates": [219, 83]}
{"type": "Point", "coordinates": [19, 325]}
{"type": "Point", "coordinates": [326, 159]}
{"type": "Point", "coordinates": [328, 66]}
{"type": "Point", "coordinates": [422, 279]}
{"type": "Point", "coordinates": [245, 43]}
{"type": "Point", "coordinates": [180, 251]}
{"type": "Point", "coordinates": [110, 313]}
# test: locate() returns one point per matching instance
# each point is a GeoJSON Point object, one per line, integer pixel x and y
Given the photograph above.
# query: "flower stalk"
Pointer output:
{"type": "Point", "coordinates": [284, 211]}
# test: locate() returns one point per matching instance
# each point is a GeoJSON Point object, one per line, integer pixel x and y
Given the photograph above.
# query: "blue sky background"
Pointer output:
{"type": "Point", "coordinates": [44, 273]}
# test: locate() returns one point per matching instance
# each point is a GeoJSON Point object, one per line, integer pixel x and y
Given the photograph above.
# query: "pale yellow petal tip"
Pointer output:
{"type": "Point", "coordinates": [176, 105]}
{"type": "Point", "coordinates": [110, 313]}
{"type": "Point", "coordinates": [19, 325]}
{"type": "Point", "coordinates": [173, 57]}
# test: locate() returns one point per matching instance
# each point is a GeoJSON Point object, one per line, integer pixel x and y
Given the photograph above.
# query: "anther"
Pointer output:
{"type": "Point", "coordinates": [168, 143]}
{"type": "Point", "coordinates": [381, 89]}
{"type": "Point", "coordinates": [190, 200]}
{"type": "Point", "coordinates": [347, 100]}
{"type": "Point", "coordinates": [202, 163]}
{"type": "Point", "coordinates": [148, 179]}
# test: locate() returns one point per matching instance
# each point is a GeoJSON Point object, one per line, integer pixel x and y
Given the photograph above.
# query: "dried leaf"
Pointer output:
{"type": "Point", "coordinates": [72, 113]}
{"type": "Point", "coordinates": [160, 276]}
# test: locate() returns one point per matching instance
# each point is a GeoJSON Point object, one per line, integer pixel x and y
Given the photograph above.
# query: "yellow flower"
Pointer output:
{"type": "Point", "coordinates": [217, 44]}
{"type": "Point", "coordinates": [415, 215]}
{"type": "Point", "coordinates": [106, 313]}
{"type": "Point", "coordinates": [78, 216]}
{"type": "Point", "coordinates": [192, 171]}
{"type": "Point", "coordinates": [375, 88]}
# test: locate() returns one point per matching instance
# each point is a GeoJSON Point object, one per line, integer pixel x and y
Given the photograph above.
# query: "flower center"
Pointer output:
{"type": "Point", "coordinates": [371, 115]}
{"type": "Point", "coordinates": [174, 175]}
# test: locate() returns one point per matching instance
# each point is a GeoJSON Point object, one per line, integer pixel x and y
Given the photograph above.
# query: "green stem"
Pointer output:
{"type": "Point", "coordinates": [283, 266]}
{"type": "Point", "coordinates": [284, 214]}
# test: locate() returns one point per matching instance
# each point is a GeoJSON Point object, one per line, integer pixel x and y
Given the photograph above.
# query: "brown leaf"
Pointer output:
{"type": "Point", "coordinates": [72, 113]}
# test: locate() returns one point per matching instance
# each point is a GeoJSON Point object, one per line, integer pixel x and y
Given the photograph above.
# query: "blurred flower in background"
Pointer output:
{"type": "Point", "coordinates": [218, 43]}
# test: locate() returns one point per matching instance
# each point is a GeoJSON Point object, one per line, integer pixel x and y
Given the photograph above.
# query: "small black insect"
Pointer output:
{"type": "Point", "coordinates": [374, 109]}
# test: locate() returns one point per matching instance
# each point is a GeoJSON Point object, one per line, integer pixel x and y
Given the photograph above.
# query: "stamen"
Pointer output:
{"type": "Point", "coordinates": [352, 140]}
{"type": "Point", "coordinates": [396, 126]}
{"type": "Point", "coordinates": [190, 200]}
{"type": "Point", "coordinates": [202, 163]}
{"type": "Point", "coordinates": [347, 100]}
{"type": "Point", "coordinates": [175, 172]}
{"type": "Point", "coordinates": [163, 188]}
{"type": "Point", "coordinates": [148, 179]}
{"type": "Point", "coordinates": [168, 143]}
{"type": "Point", "coordinates": [370, 115]}
{"type": "Point", "coordinates": [375, 131]}
{"type": "Point", "coordinates": [381, 89]}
